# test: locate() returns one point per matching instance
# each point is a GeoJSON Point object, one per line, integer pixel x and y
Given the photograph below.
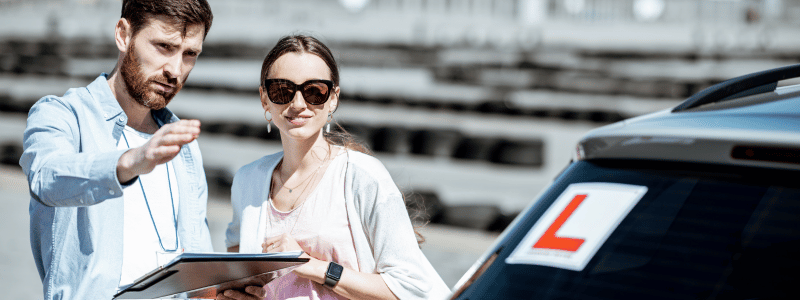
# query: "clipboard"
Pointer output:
{"type": "Point", "coordinates": [202, 275]}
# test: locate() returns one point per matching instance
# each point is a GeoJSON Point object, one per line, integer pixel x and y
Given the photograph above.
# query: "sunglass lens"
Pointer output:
{"type": "Point", "coordinates": [280, 92]}
{"type": "Point", "coordinates": [316, 93]}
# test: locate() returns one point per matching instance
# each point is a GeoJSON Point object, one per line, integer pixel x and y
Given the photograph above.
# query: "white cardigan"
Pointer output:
{"type": "Point", "coordinates": [382, 232]}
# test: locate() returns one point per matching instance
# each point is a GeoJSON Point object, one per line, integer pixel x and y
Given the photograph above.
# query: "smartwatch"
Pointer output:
{"type": "Point", "coordinates": [333, 274]}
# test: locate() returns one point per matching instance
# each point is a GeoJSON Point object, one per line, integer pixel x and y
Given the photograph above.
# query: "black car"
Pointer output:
{"type": "Point", "coordinates": [697, 202]}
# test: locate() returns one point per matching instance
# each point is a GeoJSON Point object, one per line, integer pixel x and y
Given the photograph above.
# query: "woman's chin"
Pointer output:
{"type": "Point", "coordinates": [302, 133]}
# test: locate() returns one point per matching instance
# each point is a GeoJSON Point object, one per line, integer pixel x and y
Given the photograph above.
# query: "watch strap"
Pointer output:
{"type": "Point", "coordinates": [333, 274]}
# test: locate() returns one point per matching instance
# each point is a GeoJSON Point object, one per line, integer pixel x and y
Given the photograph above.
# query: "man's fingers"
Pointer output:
{"type": "Point", "coordinates": [187, 126]}
{"type": "Point", "coordinates": [232, 294]}
{"type": "Point", "coordinates": [188, 122]}
{"type": "Point", "coordinates": [221, 296]}
{"type": "Point", "coordinates": [174, 129]}
{"type": "Point", "coordinates": [165, 144]}
{"type": "Point", "coordinates": [161, 154]}
{"type": "Point", "coordinates": [182, 126]}
{"type": "Point", "coordinates": [176, 139]}
{"type": "Point", "coordinates": [168, 152]}
{"type": "Point", "coordinates": [191, 122]}
{"type": "Point", "coordinates": [257, 291]}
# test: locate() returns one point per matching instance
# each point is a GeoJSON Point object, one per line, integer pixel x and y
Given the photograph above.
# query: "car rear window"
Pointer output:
{"type": "Point", "coordinates": [699, 232]}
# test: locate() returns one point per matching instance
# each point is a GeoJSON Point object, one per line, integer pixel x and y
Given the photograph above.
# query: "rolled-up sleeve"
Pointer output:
{"type": "Point", "coordinates": [59, 173]}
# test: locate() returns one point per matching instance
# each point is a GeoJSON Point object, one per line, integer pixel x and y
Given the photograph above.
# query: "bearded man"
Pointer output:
{"type": "Point", "coordinates": [116, 180]}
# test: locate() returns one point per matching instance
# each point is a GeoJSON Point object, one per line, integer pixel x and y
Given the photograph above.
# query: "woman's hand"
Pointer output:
{"type": "Point", "coordinates": [314, 269]}
{"type": "Point", "coordinates": [353, 285]}
{"type": "Point", "coordinates": [281, 243]}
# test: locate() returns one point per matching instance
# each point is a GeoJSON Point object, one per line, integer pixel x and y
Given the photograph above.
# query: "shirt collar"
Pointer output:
{"type": "Point", "coordinates": [101, 92]}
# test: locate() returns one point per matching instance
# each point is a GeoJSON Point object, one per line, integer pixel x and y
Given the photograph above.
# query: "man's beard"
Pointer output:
{"type": "Point", "coordinates": [140, 88]}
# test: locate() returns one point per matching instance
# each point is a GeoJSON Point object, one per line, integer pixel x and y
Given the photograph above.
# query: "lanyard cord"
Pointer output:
{"type": "Point", "coordinates": [172, 201]}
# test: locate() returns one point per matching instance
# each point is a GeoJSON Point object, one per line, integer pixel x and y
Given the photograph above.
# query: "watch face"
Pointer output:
{"type": "Point", "coordinates": [335, 270]}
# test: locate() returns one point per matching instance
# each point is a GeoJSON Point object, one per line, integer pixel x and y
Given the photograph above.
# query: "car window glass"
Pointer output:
{"type": "Point", "coordinates": [647, 229]}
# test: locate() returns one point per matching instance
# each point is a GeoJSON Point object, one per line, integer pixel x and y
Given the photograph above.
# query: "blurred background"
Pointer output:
{"type": "Point", "coordinates": [472, 105]}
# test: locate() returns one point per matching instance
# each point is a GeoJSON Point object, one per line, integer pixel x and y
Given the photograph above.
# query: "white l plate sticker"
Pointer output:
{"type": "Point", "coordinates": [571, 231]}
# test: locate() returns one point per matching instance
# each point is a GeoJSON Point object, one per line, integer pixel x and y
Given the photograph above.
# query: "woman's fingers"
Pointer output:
{"type": "Point", "coordinates": [270, 244]}
{"type": "Point", "coordinates": [273, 239]}
{"type": "Point", "coordinates": [281, 243]}
{"type": "Point", "coordinates": [267, 248]}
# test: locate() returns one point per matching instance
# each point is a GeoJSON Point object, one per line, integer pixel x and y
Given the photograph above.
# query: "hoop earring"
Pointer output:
{"type": "Point", "coordinates": [328, 123]}
{"type": "Point", "coordinates": [269, 121]}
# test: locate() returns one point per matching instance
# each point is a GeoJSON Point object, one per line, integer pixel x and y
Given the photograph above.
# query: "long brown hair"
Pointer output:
{"type": "Point", "coordinates": [340, 136]}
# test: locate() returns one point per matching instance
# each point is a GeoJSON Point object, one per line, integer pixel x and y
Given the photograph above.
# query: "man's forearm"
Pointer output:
{"type": "Point", "coordinates": [77, 179]}
{"type": "Point", "coordinates": [126, 166]}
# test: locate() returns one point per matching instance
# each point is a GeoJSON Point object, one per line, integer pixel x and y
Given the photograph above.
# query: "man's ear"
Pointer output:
{"type": "Point", "coordinates": [123, 34]}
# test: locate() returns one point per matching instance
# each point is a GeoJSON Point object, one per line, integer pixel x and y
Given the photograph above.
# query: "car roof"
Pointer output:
{"type": "Point", "coordinates": [760, 130]}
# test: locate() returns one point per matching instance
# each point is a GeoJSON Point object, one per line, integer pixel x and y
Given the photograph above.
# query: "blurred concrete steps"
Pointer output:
{"type": "Point", "coordinates": [11, 127]}
{"type": "Point", "coordinates": [471, 74]}
{"type": "Point", "coordinates": [414, 90]}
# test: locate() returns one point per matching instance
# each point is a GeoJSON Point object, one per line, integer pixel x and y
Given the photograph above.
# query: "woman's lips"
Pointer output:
{"type": "Point", "coordinates": [298, 121]}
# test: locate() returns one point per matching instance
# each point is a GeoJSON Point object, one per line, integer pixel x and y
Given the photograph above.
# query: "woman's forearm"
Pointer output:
{"type": "Point", "coordinates": [353, 284]}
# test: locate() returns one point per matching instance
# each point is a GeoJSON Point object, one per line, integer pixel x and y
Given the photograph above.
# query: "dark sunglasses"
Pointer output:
{"type": "Point", "coordinates": [282, 91]}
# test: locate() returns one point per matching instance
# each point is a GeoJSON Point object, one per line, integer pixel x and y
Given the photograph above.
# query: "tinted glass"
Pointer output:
{"type": "Point", "coordinates": [316, 92]}
{"type": "Point", "coordinates": [282, 91]}
{"type": "Point", "coordinates": [700, 232]}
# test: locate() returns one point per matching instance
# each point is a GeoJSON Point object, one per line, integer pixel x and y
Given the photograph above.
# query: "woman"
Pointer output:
{"type": "Point", "coordinates": [322, 196]}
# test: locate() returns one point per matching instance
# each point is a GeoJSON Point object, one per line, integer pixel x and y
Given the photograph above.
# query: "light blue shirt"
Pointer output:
{"type": "Point", "coordinates": [76, 210]}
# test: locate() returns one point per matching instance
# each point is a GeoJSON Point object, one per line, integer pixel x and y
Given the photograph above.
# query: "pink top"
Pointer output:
{"type": "Point", "coordinates": [321, 227]}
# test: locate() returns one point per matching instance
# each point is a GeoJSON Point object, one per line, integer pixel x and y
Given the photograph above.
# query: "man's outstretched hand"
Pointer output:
{"type": "Point", "coordinates": [165, 144]}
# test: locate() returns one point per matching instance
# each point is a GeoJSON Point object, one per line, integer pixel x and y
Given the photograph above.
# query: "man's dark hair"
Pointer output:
{"type": "Point", "coordinates": [183, 12]}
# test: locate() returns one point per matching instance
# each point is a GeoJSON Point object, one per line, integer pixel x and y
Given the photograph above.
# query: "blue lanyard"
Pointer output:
{"type": "Point", "coordinates": [172, 201]}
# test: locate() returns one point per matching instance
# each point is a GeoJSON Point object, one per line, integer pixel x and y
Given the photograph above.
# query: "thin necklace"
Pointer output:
{"type": "Point", "coordinates": [171, 199]}
{"type": "Point", "coordinates": [305, 187]}
{"type": "Point", "coordinates": [283, 185]}
{"type": "Point", "coordinates": [299, 211]}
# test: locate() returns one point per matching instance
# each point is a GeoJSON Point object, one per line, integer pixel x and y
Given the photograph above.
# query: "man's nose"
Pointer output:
{"type": "Point", "coordinates": [172, 69]}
